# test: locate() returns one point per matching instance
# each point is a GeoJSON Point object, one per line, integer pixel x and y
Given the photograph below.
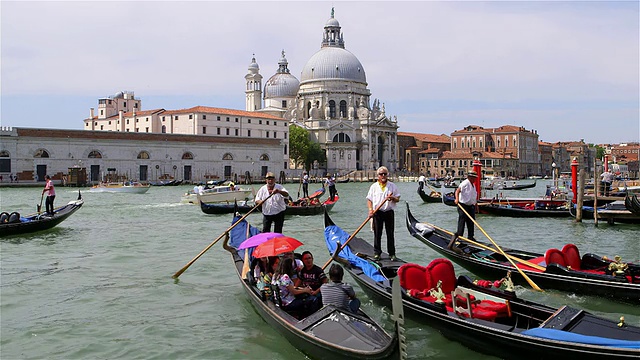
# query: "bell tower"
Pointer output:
{"type": "Point", "coordinates": [253, 89]}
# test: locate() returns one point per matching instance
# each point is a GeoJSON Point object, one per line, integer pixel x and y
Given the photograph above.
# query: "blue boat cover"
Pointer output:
{"type": "Point", "coordinates": [332, 234]}
{"type": "Point", "coordinates": [239, 234]}
{"type": "Point", "coordinates": [559, 335]}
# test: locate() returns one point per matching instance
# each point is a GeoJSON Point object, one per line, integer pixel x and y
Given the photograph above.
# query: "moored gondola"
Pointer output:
{"type": "Point", "coordinates": [632, 203]}
{"type": "Point", "coordinates": [563, 270]}
{"type": "Point", "coordinates": [329, 333]}
{"type": "Point", "coordinates": [17, 224]}
{"type": "Point", "coordinates": [530, 210]}
{"type": "Point", "coordinates": [487, 319]}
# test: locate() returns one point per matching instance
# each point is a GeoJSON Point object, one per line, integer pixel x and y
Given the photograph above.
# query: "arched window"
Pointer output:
{"type": "Point", "coordinates": [341, 137]}
{"type": "Point", "coordinates": [187, 156]}
{"type": "Point", "coordinates": [343, 109]}
{"type": "Point", "coordinates": [264, 157]}
{"type": "Point", "coordinates": [164, 129]}
{"type": "Point", "coordinates": [41, 153]}
{"type": "Point", "coordinates": [144, 155]}
{"type": "Point", "coordinates": [332, 109]}
{"type": "Point", "coordinates": [309, 109]}
{"type": "Point", "coordinates": [4, 153]}
{"type": "Point", "coordinates": [95, 154]}
{"type": "Point", "coordinates": [227, 156]}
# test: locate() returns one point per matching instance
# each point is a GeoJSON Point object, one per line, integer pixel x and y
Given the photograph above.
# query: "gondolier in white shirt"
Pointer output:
{"type": "Point", "coordinates": [274, 207]}
{"type": "Point", "coordinates": [467, 196]}
{"type": "Point", "coordinates": [378, 192]}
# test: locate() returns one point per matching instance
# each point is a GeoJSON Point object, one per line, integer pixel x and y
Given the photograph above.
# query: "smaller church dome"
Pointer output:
{"type": "Point", "coordinates": [332, 22]}
{"type": "Point", "coordinates": [253, 65]}
{"type": "Point", "coordinates": [282, 84]}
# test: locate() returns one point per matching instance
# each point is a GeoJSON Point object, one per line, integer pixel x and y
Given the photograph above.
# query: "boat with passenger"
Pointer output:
{"type": "Point", "coordinates": [129, 187]}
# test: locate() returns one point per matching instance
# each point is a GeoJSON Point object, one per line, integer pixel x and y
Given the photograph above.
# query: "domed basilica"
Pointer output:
{"type": "Point", "coordinates": [331, 101]}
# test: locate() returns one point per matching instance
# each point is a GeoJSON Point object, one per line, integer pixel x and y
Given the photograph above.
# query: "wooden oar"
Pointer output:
{"type": "Point", "coordinates": [533, 285]}
{"type": "Point", "coordinates": [483, 246]}
{"type": "Point", "coordinates": [177, 274]}
{"type": "Point", "coordinates": [299, 186]}
{"type": "Point", "coordinates": [40, 206]}
{"type": "Point", "coordinates": [354, 234]}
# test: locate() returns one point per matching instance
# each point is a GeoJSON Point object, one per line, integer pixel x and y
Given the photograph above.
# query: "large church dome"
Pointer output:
{"type": "Point", "coordinates": [333, 63]}
{"type": "Point", "coordinates": [282, 84]}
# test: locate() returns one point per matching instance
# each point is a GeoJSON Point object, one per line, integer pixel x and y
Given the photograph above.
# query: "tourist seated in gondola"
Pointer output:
{"type": "Point", "coordinates": [338, 293]}
{"type": "Point", "coordinates": [290, 296]}
{"type": "Point", "coordinates": [311, 275]}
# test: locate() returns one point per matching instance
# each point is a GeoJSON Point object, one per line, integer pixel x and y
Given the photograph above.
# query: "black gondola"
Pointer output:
{"type": "Point", "coordinates": [329, 333]}
{"type": "Point", "coordinates": [556, 269]}
{"type": "Point", "coordinates": [16, 224]}
{"type": "Point", "coordinates": [528, 211]}
{"type": "Point", "coordinates": [632, 203]}
{"type": "Point", "coordinates": [311, 209]}
{"type": "Point", "coordinates": [432, 197]}
{"type": "Point", "coordinates": [226, 208]}
{"type": "Point", "coordinates": [506, 186]}
{"type": "Point", "coordinates": [489, 320]}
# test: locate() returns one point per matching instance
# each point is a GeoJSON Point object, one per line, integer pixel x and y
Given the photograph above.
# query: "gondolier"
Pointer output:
{"type": "Point", "coordinates": [273, 207]}
{"type": "Point", "coordinates": [384, 217]}
{"type": "Point", "coordinates": [51, 194]}
{"type": "Point", "coordinates": [330, 181]}
{"type": "Point", "coordinates": [421, 182]}
{"type": "Point", "coordinates": [466, 196]}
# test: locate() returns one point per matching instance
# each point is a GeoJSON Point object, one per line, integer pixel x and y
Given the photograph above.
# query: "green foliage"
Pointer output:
{"type": "Point", "coordinates": [302, 150]}
{"type": "Point", "coordinates": [599, 152]}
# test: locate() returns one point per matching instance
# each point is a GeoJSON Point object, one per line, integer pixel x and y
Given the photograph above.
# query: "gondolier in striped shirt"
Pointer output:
{"type": "Point", "coordinates": [466, 196]}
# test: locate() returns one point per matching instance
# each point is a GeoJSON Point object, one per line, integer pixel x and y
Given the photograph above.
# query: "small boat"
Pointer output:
{"type": "Point", "coordinates": [613, 212]}
{"type": "Point", "coordinates": [224, 193]}
{"type": "Point", "coordinates": [537, 208]}
{"type": "Point", "coordinates": [329, 333]}
{"type": "Point", "coordinates": [129, 187]}
{"type": "Point", "coordinates": [313, 208]}
{"type": "Point", "coordinates": [505, 185]}
{"type": "Point", "coordinates": [432, 197]}
{"type": "Point", "coordinates": [241, 207]}
{"type": "Point", "coordinates": [563, 269]}
{"type": "Point", "coordinates": [13, 223]}
{"type": "Point", "coordinates": [488, 319]}
{"type": "Point", "coordinates": [632, 203]}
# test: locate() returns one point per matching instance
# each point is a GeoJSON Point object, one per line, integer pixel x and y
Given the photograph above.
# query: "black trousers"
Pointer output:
{"type": "Point", "coordinates": [332, 192]}
{"type": "Point", "coordinates": [49, 203]}
{"type": "Point", "coordinates": [305, 190]}
{"type": "Point", "coordinates": [277, 220]}
{"type": "Point", "coordinates": [464, 219]}
{"type": "Point", "coordinates": [384, 219]}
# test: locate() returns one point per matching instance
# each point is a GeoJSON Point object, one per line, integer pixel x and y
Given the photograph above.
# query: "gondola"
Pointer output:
{"type": "Point", "coordinates": [563, 270]}
{"type": "Point", "coordinates": [632, 203]}
{"type": "Point", "coordinates": [615, 212]}
{"type": "Point", "coordinates": [12, 224]}
{"type": "Point", "coordinates": [329, 333]}
{"type": "Point", "coordinates": [432, 197]}
{"type": "Point", "coordinates": [227, 208]}
{"type": "Point", "coordinates": [530, 210]}
{"type": "Point", "coordinates": [311, 209]}
{"type": "Point", "coordinates": [504, 186]}
{"type": "Point", "coordinates": [487, 319]}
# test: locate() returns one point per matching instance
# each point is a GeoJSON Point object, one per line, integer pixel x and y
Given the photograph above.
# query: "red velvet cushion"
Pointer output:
{"type": "Point", "coordinates": [497, 307]}
{"type": "Point", "coordinates": [412, 276]}
{"type": "Point", "coordinates": [442, 269]}
{"type": "Point", "coordinates": [554, 256]}
{"type": "Point", "coordinates": [571, 256]}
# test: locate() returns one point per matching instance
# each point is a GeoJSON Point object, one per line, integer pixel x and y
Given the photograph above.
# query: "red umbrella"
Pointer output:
{"type": "Point", "coordinates": [276, 246]}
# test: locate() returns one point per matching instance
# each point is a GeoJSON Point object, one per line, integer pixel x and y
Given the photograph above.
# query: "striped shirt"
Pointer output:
{"type": "Point", "coordinates": [337, 294]}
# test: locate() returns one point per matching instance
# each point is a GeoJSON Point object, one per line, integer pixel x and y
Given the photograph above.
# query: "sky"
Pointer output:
{"type": "Point", "coordinates": [568, 70]}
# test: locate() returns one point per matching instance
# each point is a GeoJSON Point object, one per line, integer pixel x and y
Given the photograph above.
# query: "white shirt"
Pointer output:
{"type": "Point", "coordinates": [305, 179]}
{"type": "Point", "coordinates": [607, 176]}
{"type": "Point", "coordinates": [275, 204]}
{"type": "Point", "coordinates": [377, 195]}
{"type": "Point", "coordinates": [468, 194]}
{"type": "Point", "coordinates": [421, 178]}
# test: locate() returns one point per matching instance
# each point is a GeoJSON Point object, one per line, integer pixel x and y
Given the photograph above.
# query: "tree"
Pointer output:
{"type": "Point", "coordinates": [302, 150]}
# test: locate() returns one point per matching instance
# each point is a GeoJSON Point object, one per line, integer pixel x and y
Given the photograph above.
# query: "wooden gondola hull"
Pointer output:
{"type": "Point", "coordinates": [488, 337]}
{"type": "Point", "coordinates": [330, 333]}
{"type": "Point", "coordinates": [554, 277]}
{"type": "Point", "coordinates": [504, 210]}
{"type": "Point", "coordinates": [223, 208]}
{"type": "Point", "coordinates": [428, 198]}
{"type": "Point", "coordinates": [310, 210]}
{"type": "Point", "coordinates": [39, 222]}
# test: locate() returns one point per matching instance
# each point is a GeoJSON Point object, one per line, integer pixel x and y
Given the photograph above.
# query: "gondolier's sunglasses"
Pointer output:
{"type": "Point", "coordinates": [383, 174]}
{"type": "Point", "coordinates": [270, 177]}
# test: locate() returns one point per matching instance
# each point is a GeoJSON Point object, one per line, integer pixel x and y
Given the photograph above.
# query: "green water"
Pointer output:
{"type": "Point", "coordinates": [99, 285]}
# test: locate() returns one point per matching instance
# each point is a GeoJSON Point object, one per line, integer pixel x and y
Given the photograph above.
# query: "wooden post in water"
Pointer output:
{"type": "Point", "coordinates": [596, 187]}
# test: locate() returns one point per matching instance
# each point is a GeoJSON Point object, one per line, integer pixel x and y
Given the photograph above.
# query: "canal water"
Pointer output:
{"type": "Point", "coordinates": [99, 286]}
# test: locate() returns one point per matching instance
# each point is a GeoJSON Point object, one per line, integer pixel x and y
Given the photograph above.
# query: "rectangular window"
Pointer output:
{"type": "Point", "coordinates": [267, 134]}
{"type": "Point", "coordinates": [218, 131]}
{"type": "Point", "coordinates": [204, 130]}
{"type": "Point", "coordinates": [285, 135]}
{"type": "Point", "coordinates": [137, 130]}
{"type": "Point", "coordinates": [163, 118]}
{"type": "Point", "coordinates": [101, 127]}
{"type": "Point", "coordinates": [227, 118]}
{"type": "Point", "coordinates": [137, 120]}
{"type": "Point", "coordinates": [236, 132]}
{"type": "Point", "coordinates": [146, 129]}
{"type": "Point", "coordinates": [176, 118]}
{"type": "Point", "coordinates": [275, 135]}
{"type": "Point", "coordinates": [249, 132]}
{"type": "Point", "coordinates": [259, 122]}
{"type": "Point", "coordinates": [267, 122]}
{"type": "Point", "coordinates": [284, 104]}
{"type": "Point", "coordinates": [218, 118]}
{"type": "Point", "coordinates": [147, 119]}
{"type": "Point", "coordinates": [109, 122]}
{"type": "Point", "coordinates": [248, 121]}
{"type": "Point", "coordinates": [101, 112]}
{"type": "Point", "coordinates": [204, 117]}
{"type": "Point", "coordinates": [190, 116]}
{"type": "Point", "coordinates": [227, 131]}
{"type": "Point", "coordinates": [127, 121]}
{"type": "Point", "coordinates": [285, 149]}
{"type": "Point", "coordinates": [237, 120]}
